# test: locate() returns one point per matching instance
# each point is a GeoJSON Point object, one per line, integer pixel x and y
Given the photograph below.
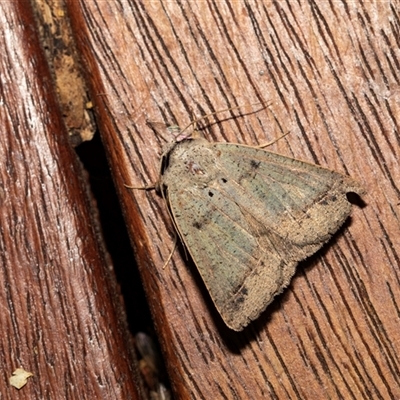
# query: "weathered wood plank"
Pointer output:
{"type": "Point", "coordinates": [331, 74]}
{"type": "Point", "coordinates": [59, 302]}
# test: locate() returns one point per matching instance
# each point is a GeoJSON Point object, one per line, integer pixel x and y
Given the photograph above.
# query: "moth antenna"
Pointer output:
{"type": "Point", "coordinates": [196, 120]}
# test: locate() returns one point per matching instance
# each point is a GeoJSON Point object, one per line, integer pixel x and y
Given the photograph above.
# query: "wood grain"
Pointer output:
{"type": "Point", "coordinates": [59, 302]}
{"type": "Point", "coordinates": [330, 72]}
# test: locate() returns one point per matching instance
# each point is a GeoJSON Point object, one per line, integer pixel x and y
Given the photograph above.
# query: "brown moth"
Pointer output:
{"type": "Point", "coordinates": [248, 216]}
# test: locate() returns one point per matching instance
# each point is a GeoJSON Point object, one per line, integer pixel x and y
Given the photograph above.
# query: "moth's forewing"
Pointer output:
{"type": "Point", "coordinates": [248, 216]}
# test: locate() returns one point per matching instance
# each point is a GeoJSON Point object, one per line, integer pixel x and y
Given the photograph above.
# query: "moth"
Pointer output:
{"type": "Point", "coordinates": [248, 216]}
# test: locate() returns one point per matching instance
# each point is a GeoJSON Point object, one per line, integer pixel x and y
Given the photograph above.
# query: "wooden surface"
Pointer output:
{"type": "Point", "coordinates": [330, 72]}
{"type": "Point", "coordinates": [60, 311]}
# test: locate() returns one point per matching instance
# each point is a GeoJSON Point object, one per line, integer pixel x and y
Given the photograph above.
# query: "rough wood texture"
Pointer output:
{"type": "Point", "coordinates": [330, 71]}
{"type": "Point", "coordinates": [58, 318]}
{"type": "Point", "coordinates": [57, 40]}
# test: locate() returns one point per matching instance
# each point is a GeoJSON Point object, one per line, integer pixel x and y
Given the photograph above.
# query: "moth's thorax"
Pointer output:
{"type": "Point", "coordinates": [193, 161]}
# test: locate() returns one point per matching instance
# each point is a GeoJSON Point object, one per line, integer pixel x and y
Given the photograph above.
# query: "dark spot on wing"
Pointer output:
{"type": "Point", "coordinates": [328, 200]}
{"type": "Point", "coordinates": [197, 224]}
{"type": "Point", "coordinates": [250, 172]}
{"type": "Point", "coordinates": [255, 164]}
{"type": "Point", "coordinates": [240, 297]}
{"type": "Point", "coordinates": [244, 291]}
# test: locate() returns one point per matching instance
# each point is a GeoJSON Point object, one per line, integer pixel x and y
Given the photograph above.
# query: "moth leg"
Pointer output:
{"type": "Point", "coordinates": [172, 251]}
{"type": "Point", "coordinates": [261, 146]}
{"type": "Point", "coordinates": [147, 187]}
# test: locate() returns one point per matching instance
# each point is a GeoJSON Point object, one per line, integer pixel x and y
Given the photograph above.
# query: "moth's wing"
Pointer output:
{"type": "Point", "coordinates": [248, 228]}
